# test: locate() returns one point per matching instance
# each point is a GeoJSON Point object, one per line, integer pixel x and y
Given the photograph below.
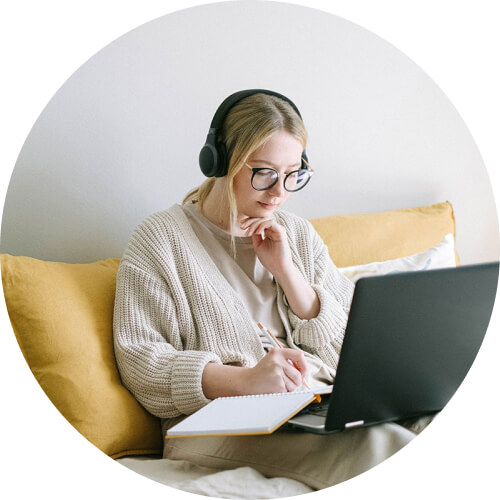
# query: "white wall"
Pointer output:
{"type": "Point", "coordinates": [121, 138]}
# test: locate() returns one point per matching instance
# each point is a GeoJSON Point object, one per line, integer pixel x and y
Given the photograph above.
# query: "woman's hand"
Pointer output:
{"type": "Point", "coordinates": [275, 373]}
{"type": "Point", "coordinates": [273, 251]}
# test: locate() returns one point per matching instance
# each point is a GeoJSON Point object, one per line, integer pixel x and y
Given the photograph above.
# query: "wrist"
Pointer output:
{"type": "Point", "coordinates": [224, 380]}
{"type": "Point", "coordinates": [285, 275]}
{"type": "Point", "coordinates": [241, 380]}
{"type": "Point", "coordinates": [301, 297]}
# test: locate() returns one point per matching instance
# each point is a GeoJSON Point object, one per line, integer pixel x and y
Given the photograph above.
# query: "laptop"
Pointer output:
{"type": "Point", "coordinates": [410, 340]}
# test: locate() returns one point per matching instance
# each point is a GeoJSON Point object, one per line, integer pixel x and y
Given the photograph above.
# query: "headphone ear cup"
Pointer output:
{"type": "Point", "coordinates": [209, 156]}
{"type": "Point", "coordinates": [213, 158]}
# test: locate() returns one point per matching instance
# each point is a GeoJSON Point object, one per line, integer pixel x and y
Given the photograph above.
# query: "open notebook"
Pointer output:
{"type": "Point", "coordinates": [244, 415]}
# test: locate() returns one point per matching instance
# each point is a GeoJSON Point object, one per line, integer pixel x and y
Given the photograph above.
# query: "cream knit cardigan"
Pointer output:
{"type": "Point", "coordinates": [175, 312]}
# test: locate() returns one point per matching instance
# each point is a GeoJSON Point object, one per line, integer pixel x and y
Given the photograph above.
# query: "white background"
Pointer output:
{"type": "Point", "coordinates": [454, 42]}
{"type": "Point", "coordinates": [120, 139]}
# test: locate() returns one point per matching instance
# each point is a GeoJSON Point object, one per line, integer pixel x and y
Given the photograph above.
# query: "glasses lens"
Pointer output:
{"type": "Point", "coordinates": [264, 178]}
{"type": "Point", "coordinates": [297, 180]}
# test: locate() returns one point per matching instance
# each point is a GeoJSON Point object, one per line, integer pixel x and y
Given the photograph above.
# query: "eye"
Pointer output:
{"type": "Point", "coordinates": [265, 173]}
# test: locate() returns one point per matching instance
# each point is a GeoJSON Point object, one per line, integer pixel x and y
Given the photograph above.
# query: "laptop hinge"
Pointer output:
{"type": "Point", "coordinates": [356, 423]}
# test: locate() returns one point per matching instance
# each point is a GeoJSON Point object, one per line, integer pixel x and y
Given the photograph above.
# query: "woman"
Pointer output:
{"type": "Point", "coordinates": [196, 279]}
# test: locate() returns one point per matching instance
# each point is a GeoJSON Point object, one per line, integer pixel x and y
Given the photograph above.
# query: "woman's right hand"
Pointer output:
{"type": "Point", "coordinates": [275, 373]}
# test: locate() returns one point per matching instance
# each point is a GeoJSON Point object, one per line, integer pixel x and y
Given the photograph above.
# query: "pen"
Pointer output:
{"type": "Point", "coordinates": [274, 341]}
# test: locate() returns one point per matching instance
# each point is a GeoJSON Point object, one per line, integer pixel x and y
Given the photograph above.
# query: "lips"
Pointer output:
{"type": "Point", "coordinates": [267, 206]}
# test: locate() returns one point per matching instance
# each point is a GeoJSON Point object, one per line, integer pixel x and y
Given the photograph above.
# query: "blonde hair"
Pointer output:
{"type": "Point", "coordinates": [247, 126]}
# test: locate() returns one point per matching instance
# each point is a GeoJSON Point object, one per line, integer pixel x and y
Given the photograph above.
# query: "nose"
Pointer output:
{"type": "Point", "coordinates": [278, 190]}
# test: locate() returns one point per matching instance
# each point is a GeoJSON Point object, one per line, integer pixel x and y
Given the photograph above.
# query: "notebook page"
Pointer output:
{"type": "Point", "coordinates": [259, 414]}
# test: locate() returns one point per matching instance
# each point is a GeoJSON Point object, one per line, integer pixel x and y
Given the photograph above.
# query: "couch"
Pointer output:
{"type": "Point", "coordinates": [61, 315]}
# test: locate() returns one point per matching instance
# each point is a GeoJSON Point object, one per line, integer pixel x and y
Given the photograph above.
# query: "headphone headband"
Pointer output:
{"type": "Point", "coordinates": [230, 101]}
{"type": "Point", "coordinates": [213, 156]}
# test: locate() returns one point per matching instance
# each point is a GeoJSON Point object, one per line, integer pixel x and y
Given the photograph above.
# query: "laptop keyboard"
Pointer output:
{"type": "Point", "coordinates": [319, 409]}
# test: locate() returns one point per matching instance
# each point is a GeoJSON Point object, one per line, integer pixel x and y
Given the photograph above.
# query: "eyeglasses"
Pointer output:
{"type": "Point", "coordinates": [265, 178]}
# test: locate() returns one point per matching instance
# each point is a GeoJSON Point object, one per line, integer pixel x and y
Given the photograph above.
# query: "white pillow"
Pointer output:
{"type": "Point", "coordinates": [442, 255]}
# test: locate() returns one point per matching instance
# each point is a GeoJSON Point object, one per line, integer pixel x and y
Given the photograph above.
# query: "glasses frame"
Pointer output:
{"type": "Point", "coordinates": [254, 170]}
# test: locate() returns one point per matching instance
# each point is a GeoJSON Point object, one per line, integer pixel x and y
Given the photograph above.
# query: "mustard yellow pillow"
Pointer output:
{"type": "Point", "coordinates": [376, 237]}
{"type": "Point", "coordinates": [62, 316]}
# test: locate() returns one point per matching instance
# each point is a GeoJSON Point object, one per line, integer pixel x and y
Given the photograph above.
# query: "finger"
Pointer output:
{"type": "Point", "coordinates": [271, 229]}
{"type": "Point", "coordinates": [246, 221]}
{"type": "Point", "coordinates": [297, 357]}
{"type": "Point", "coordinates": [260, 227]}
{"type": "Point", "coordinates": [281, 360]}
{"type": "Point", "coordinates": [275, 232]}
{"type": "Point", "coordinates": [250, 223]}
{"type": "Point", "coordinates": [279, 368]}
{"type": "Point", "coordinates": [293, 377]}
{"type": "Point", "coordinates": [257, 240]}
{"type": "Point", "coordinates": [289, 385]}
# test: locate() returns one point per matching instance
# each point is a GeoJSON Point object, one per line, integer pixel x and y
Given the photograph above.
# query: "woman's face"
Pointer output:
{"type": "Point", "coordinates": [282, 152]}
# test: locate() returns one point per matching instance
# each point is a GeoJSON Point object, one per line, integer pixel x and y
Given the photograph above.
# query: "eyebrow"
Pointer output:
{"type": "Point", "coordinates": [274, 166]}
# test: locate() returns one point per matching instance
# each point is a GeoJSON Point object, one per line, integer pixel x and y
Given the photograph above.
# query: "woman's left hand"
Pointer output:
{"type": "Point", "coordinates": [273, 251]}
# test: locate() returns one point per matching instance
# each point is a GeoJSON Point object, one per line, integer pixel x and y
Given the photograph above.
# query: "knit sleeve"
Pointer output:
{"type": "Point", "coordinates": [334, 290]}
{"type": "Point", "coordinates": [148, 341]}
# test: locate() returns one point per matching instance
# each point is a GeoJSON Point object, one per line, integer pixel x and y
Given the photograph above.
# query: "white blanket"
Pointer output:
{"type": "Point", "coordinates": [243, 482]}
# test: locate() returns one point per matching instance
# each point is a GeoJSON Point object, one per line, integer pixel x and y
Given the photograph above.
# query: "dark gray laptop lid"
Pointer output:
{"type": "Point", "coordinates": [410, 340]}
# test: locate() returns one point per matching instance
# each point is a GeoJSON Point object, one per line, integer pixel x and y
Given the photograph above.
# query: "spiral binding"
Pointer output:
{"type": "Point", "coordinates": [267, 395]}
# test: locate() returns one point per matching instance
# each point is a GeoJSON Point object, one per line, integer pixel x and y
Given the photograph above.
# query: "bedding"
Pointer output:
{"type": "Point", "coordinates": [243, 482]}
{"type": "Point", "coordinates": [440, 256]}
{"type": "Point", "coordinates": [62, 318]}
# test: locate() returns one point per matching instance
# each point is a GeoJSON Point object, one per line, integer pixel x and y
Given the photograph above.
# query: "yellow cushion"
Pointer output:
{"type": "Point", "coordinates": [62, 317]}
{"type": "Point", "coordinates": [375, 237]}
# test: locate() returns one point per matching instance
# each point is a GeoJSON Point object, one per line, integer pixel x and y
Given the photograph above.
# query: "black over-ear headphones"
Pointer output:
{"type": "Point", "coordinates": [213, 155]}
